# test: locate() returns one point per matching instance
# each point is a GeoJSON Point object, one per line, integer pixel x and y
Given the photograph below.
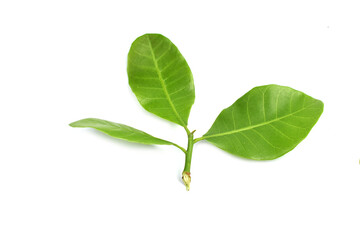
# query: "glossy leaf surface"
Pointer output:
{"type": "Point", "coordinates": [160, 78]}
{"type": "Point", "coordinates": [265, 123]}
{"type": "Point", "coordinates": [118, 130]}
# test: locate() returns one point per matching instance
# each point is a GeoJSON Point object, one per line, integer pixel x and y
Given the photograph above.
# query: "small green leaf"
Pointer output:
{"type": "Point", "coordinates": [160, 78]}
{"type": "Point", "coordinates": [265, 123]}
{"type": "Point", "coordinates": [121, 131]}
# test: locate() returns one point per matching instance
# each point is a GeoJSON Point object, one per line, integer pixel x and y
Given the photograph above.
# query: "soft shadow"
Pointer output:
{"type": "Point", "coordinates": [120, 141]}
{"type": "Point", "coordinates": [234, 157]}
{"type": "Point", "coordinates": [180, 177]}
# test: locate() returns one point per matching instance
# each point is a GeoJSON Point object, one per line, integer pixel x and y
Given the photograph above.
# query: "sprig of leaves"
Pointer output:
{"type": "Point", "coordinates": [264, 124]}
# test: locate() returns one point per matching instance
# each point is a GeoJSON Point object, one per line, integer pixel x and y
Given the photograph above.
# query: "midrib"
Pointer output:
{"type": "Point", "coordinates": [163, 85]}
{"type": "Point", "coordinates": [252, 126]}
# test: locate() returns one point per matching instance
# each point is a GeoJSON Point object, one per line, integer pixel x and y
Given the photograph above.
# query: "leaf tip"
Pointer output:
{"type": "Point", "coordinates": [74, 124]}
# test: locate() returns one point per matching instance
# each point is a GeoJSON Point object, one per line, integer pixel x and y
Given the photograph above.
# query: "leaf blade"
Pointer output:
{"type": "Point", "coordinates": [120, 131]}
{"type": "Point", "coordinates": [265, 123]}
{"type": "Point", "coordinates": [160, 78]}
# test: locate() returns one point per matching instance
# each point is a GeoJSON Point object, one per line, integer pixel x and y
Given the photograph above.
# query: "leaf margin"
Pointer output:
{"type": "Point", "coordinates": [87, 123]}
{"type": "Point", "coordinates": [179, 119]}
{"type": "Point", "coordinates": [207, 137]}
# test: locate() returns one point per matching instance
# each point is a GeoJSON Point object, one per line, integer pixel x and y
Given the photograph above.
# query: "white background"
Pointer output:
{"type": "Point", "coordinates": [61, 61]}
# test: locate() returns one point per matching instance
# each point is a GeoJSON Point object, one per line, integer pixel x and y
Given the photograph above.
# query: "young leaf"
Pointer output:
{"type": "Point", "coordinates": [265, 123]}
{"type": "Point", "coordinates": [160, 78]}
{"type": "Point", "coordinates": [121, 131]}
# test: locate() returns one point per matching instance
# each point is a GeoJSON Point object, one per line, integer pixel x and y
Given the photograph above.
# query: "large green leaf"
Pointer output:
{"type": "Point", "coordinates": [265, 123]}
{"type": "Point", "coordinates": [121, 131]}
{"type": "Point", "coordinates": [160, 78]}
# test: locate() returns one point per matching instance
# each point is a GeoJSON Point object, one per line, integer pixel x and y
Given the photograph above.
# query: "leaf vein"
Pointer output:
{"type": "Point", "coordinates": [253, 126]}
{"type": "Point", "coordinates": [162, 81]}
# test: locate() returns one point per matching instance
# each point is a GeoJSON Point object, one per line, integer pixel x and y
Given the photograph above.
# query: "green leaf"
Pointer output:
{"type": "Point", "coordinates": [121, 131]}
{"type": "Point", "coordinates": [265, 123]}
{"type": "Point", "coordinates": [160, 78]}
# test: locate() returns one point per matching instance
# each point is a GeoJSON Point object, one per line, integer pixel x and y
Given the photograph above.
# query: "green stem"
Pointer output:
{"type": "Point", "coordinates": [189, 152]}
{"type": "Point", "coordinates": [186, 173]}
{"type": "Point", "coordinates": [181, 148]}
{"type": "Point", "coordinates": [198, 139]}
{"type": "Point", "coordinates": [187, 130]}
